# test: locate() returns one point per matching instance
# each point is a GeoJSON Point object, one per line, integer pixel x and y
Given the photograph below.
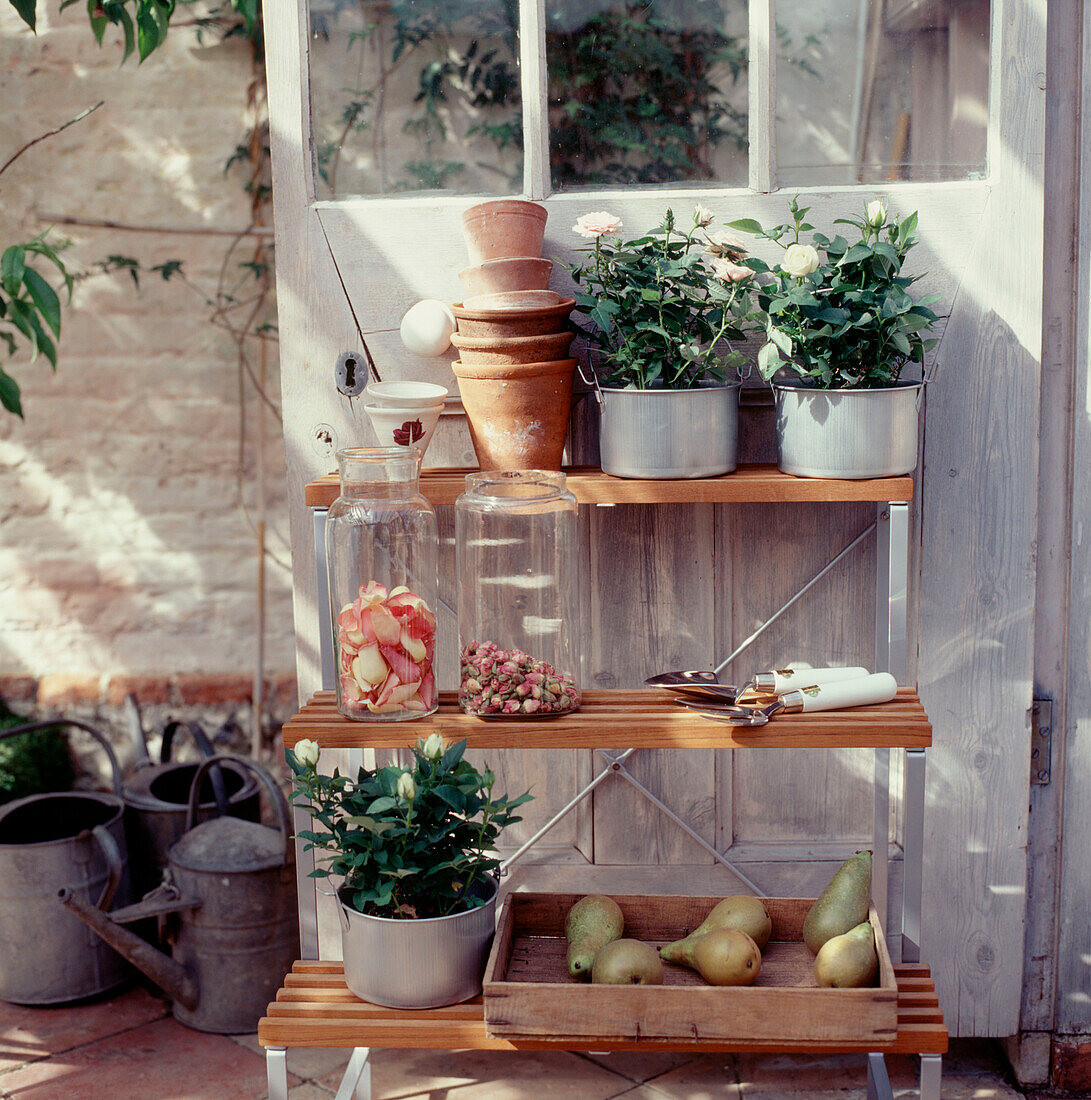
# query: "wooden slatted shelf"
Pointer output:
{"type": "Point", "coordinates": [639, 718]}
{"type": "Point", "coordinates": [749, 484]}
{"type": "Point", "coordinates": [315, 1009]}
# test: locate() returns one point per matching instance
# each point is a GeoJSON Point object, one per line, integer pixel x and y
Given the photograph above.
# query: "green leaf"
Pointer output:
{"type": "Point", "coordinates": [9, 394]}
{"type": "Point", "coordinates": [746, 225]}
{"type": "Point", "coordinates": [98, 22]}
{"type": "Point", "coordinates": [901, 342]}
{"type": "Point", "coordinates": [12, 266]}
{"type": "Point", "coordinates": [382, 804]}
{"type": "Point", "coordinates": [769, 361]}
{"type": "Point", "coordinates": [26, 11]}
{"type": "Point", "coordinates": [45, 298]}
{"type": "Point", "coordinates": [782, 340]}
{"type": "Point", "coordinates": [147, 29]}
{"type": "Point", "coordinates": [857, 252]}
{"type": "Point", "coordinates": [130, 34]}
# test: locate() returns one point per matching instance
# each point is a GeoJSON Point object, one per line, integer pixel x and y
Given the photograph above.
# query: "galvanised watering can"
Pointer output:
{"type": "Point", "coordinates": [72, 841]}
{"type": "Point", "coordinates": [156, 797]}
{"type": "Point", "coordinates": [228, 908]}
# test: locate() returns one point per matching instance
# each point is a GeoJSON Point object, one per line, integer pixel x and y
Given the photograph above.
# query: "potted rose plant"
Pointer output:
{"type": "Point", "coordinates": [841, 326]}
{"type": "Point", "coordinates": [664, 308]}
{"type": "Point", "coordinates": [414, 850]}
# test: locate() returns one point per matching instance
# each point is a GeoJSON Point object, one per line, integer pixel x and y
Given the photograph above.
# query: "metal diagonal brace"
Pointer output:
{"type": "Point", "coordinates": [528, 844]}
{"type": "Point", "coordinates": [620, 769]}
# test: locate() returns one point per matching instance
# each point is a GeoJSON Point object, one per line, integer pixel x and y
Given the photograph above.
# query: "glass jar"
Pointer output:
{"type": "Point", "coordinates": [381, 551]}
{"type": "Point", "coordinates": [518, 595]}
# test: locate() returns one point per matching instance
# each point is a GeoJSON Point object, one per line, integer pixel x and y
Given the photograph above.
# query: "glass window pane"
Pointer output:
{"type": "Point", "coordinates": [870, 91]}
{"type": "Point", "coordinates": [646, 91]}
{"type": "Point", "coordinates": [416, 95]}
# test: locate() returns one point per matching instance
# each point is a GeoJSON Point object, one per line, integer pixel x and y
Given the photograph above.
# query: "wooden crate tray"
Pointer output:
{"type": "Point", "coordinates": [640, 718]}
{"type": "Point", "coordinates": [528, 993]}
{"type": "Point", "coordinates": [750, 483]}
{"type": "Point", "coordinates": [315, 1009]}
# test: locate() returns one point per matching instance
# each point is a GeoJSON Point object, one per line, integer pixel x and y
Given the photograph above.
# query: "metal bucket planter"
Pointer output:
{"type": "Point", "coordinates": [850, 434]}
{"type": "Point", "coordinates": [417, 963]}
{"type": "Point", "coordinates": [669, 433]}
{"type": "Point", "coordinates": [73, 840]}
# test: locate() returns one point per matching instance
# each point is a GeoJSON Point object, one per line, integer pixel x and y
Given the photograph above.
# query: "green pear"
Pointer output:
{"type": "Point", "coordinates": [592, 923]}
{"type": "Point", "coordinates": [742, 912]}
{"type": "Point", "coordinates": [842, 905]}
{"type": "Point", "coordinates": [848, 961]}
{"type": "Point", "coordinates": [727, 956]}
{"type": "Point", "coordinates": [627, 962]}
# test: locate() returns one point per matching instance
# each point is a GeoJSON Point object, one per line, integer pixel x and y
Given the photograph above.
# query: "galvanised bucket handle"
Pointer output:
{"type": "Point", "coordinates": [204, 747]}
{"type": "Point", "coordinates": [30, 727]}
{"type": "Point", "coordinates": [276, 795]}
{"type": "Point", "coordinates": [112, 852]}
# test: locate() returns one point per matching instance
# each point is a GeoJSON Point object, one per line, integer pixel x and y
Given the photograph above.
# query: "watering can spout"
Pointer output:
{"type": "Point", "coordinates": [173, 978]}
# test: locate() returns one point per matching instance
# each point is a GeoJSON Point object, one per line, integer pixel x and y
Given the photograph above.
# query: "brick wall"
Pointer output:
{"type": "Point", "coordinates": [124, 555]}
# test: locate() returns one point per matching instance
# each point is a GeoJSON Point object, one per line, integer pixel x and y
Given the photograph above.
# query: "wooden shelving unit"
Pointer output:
{"type": "Point", "coordinates": [749, 484]}
{"type": "Point", "coordinates": [641, 718]}
{"type": "Point", "coordinates": [315, 1008]}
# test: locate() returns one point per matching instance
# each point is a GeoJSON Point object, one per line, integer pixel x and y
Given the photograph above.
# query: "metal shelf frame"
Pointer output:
{"type": "Point", "coordinates": [892, 531]}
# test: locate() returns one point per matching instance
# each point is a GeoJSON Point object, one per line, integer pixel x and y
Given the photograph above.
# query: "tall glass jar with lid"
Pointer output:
{"type": "Point", "coordinates": [518, 596]}
{"type": "Point", "coordinates": [381, 551]}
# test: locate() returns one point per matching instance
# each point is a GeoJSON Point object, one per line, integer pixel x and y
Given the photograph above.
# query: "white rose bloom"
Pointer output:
{"type": "Point", "coordinates": [800, 260]}
{"type": "Point", "coordinates": [407, 788]}
{"type": "Point", "coordinates": [306, 752]}
{"type": "Point", "coordinates": [433, 747]}
{"type": "Point", "coordinates": [876, 214]}
{"type": "Point", "coordinates": [702, 216]}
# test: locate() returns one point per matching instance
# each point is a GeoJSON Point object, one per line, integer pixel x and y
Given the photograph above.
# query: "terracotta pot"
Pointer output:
{"type": "Point", "coordinates": [498, 350]}
{"type": "Point", "coordinates": [496, 276]}
{"type": "Point", "coordinates": [513, 300]}
{"type": "Point", "coordinates": [518, 413]}
{"type": "Point", "coordinates": [503, 229]}
{"type": "Point", "coordinates": [513, 322]}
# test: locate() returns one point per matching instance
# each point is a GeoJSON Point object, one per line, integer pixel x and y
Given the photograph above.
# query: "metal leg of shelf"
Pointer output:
{"type": "Point", "coordinates": [891, 634]}
{"type": "Point", "coordinates": [878, 1080]}
{"type": "Point", "coordinates": [914, 855]}
{"type": "Point", "coordinates": [356, 1082]}
{"type": "Point", "coordinates": [684, 825]}
{"type": "Point", "coordinates": [322, 599]}
{"type": "Point", "coordinates": [931, 1076]}
{"type": "Point", "coordinates": [276, 1072]}
{"type": "Point", "coordinates": [306, 894]}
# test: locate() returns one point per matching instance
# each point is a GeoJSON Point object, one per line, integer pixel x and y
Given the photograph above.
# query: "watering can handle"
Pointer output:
{"type": "Point", "coordinates": [204, 747]}
{"type": "Point", "coordinates": [31, 727]}
{"type": "Point", "coordinates": [276, 795]}
{"type": "Point", "coordinates": [200, 739]}
{"type": "Point", "coordinates": [113, 864]}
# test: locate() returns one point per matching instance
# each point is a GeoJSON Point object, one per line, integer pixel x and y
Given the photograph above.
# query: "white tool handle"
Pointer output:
{"type": "Point", "coordinates": [788, 679]}
{"type": "Point", "coordinates": [880, 687]}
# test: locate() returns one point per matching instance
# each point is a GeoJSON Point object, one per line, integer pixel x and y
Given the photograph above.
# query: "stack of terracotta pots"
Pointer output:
{"type": "Point", "coordinates": [513, 339]}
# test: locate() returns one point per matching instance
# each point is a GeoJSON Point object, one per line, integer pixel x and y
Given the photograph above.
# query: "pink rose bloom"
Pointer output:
{"type": "Point", "coordinates": [597, 224]}
{"type": "Point", "coordinates": [730, 272]}
{"type": "Point", "coordinates": [722, 243]}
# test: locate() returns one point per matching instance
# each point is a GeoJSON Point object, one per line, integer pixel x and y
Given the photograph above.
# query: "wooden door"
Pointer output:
{"type": "Point", "coordinates": [670, 587]}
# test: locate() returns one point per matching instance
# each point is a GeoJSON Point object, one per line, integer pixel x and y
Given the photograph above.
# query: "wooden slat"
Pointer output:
{"type": "Point", "coordinates": [645, 719]}
{"type": "Point", "coordinates": [760, 482]}
{"type": "Point", "coordinates": [296, 1020]}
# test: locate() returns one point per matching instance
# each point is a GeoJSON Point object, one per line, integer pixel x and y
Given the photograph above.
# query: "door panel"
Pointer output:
{"type": "Point", "coordinates": [664, 590]}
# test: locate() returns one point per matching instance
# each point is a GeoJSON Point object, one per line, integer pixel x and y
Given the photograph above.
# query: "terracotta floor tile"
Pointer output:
{"type": "Point", "coordinates": [640, 1067]}
{"type": "Point", "coordinates": [707, 1077]}
{"type": "Point", "coordinates": [763, 1073]}
{"type": "Point", "coordinates": [975, 1087]}
{"type": "Point", "coordinates": [158, 1061]}
{"type": "Point", "coordinates": [27, 1034]}
{"type": "Point", "coordinates": [486, 1075]}
{"type": "Point", "coordinates": [309, 1091]}
{"type": "Point", "coordinates": [306, 1063]}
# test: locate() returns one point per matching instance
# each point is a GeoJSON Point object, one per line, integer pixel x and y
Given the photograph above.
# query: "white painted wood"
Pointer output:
{"type": "Point", "coordinates": [669, 587]}
{"type": "Point", "coordinates": [532, 65]}
{"type": "Point", "coordinates": [1029, 1052]}
{"type": "Point", "coordinates": [1074, 947]}
{"type": "Point", "coordinates": [761, 79]}
{"type": "Point", "coordinates": [977, 564]}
